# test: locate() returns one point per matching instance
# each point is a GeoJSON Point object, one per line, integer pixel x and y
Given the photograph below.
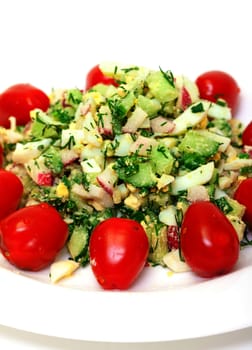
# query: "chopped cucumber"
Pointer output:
{"type": "Point", "coordinates": [78, 244]}
{"type": "Point", "coordinates": [145, 177]}
{"type": "Point", "coordinates": [161, 159]}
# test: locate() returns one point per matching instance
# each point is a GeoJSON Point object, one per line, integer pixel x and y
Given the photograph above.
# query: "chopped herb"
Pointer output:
{"type": "Point", "coordinates": [36, 164]}
{"type": "Point", "coordinates": [115, 70]}
{"type": "Point", "coordinates": [127, 166]}
{"type": "Point", "coordinates": [221, 102]}
{"type": "Point", "coordinates": [89, 164]}
{"type": "Point", "coordinates": [127, 70]}
{"type": "Point", "coordinates": [246, 170]}
{"type": "Point", "coordinates": [65, 181]}
{"type": "Point", "coordinates": [70, 143]}
{"type": "Point", "coordinates": [222, 124]}
{"type": "Point", "coordinates": [146, 132]}
{"type": "Point", "coordinates": [198, 108]}
{"type": "Point", "coordinates": [162, 149]}
{"type": "Point", "coordinates": [168, 76]}
{"type": "Point", "coordinates": [74, 97]}
{"type": "Point", "coordinates": [100, 119]}
{"type": "Point", "coordinates": [118, 114]}
{"type": "Point", "coordinates": [223, 204]}
{"type": "Point", "coordinates": [61, 114]}
{"type": "Point", "coordinates": [80, 178]}
{"type": "Point", "coordinates": [243, 155]}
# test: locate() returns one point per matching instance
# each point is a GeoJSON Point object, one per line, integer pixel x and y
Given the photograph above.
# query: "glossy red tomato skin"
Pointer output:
{"type": "Point", "coordinates": [11, 191]}
{"type": "Point", "coordinates": [18, 100]}
{"type": "Point", "coordinates": [217, 84]}
{"type": "Point", "coordinates": [243, 195]}
{"type": "Point", "coordinates": [209, 243]}
{"type": "Point", "coordinates": [31, 237]}
{"type": "Point", "coordinates": [95, 76]}
{"type": "Point", "coordinates": [118, 251]}
{"type": "Point", "coordinates": [247, 135]}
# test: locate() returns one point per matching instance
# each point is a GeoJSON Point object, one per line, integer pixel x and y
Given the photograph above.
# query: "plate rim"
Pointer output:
{"type": "Point", "coordinates": [105, 316]}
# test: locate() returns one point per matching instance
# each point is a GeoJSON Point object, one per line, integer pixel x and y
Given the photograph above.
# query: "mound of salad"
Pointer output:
{"type": "Point", "coordinates": [142, 146]}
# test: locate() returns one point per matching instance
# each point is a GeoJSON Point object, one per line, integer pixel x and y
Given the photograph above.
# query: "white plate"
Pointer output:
{"type": "Point", "coordinates": [159, 307]}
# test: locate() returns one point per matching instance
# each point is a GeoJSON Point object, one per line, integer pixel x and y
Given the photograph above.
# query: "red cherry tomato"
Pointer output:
{"type": "Point", "coordinates": [209, 243]}
{"type": "Point", "coordinates": [18, 100]}
{"type": "Point", "coordinates": [217, 84]}
{"type": "Point", "coordinates": [118, 251]}
{"type": "Point", "coordinates": [95, 76]}
{"type": "Point", "coordinates": [31, 237]}
{"type": "Point", "coordinates": [11, 191]}
{"type": "Point", "coordinates": [243, 195]}
{"type": "Point", "coordinates": [247, 135]}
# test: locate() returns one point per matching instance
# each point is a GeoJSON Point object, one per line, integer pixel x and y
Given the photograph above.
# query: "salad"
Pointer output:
{"type": "Point", "coordinates": [142, 146]}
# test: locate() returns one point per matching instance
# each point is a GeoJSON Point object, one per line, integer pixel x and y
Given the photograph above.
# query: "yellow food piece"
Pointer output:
{"type": "Point", "coordinates": [62, 269]}
{"type": "Point", "coordinates": [62, 190]}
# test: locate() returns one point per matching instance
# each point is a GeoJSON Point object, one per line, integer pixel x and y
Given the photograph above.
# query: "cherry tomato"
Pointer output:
{"type": "Point", "coordinates": [95, 76]}
{"type": "Point", "coordinates": [247, 135]}
{"type": "Point", "coordinates": [209, 243]}
{"type": "Point", "coordinates": [31, 237]}
{"type": "Point", "coordinates": [118, 251]}
{"type": "Point", "coordinates": [11, 191]}
{"type": "Point", "coordinates": [243, 195]}
{"type": "Point", "coordinates": [217, 84]}
{"type": "Point", "coordinates": [18, 100]}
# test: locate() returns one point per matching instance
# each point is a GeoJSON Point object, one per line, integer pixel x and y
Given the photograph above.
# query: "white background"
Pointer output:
{"type": "Point", "coordinates": [54, 43]}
